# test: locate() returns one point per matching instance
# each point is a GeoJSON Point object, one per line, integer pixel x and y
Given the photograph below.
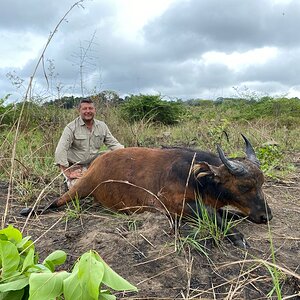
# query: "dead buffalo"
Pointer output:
{"type": "Point", "coordinates": [169, 180]}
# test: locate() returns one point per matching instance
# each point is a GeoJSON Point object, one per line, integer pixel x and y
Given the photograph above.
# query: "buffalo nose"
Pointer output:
{"type": "Point", "coordinates": [266, 217]}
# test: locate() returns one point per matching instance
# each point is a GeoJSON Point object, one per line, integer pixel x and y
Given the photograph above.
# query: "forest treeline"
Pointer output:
{"type": "Point", "coordinates": [155, 109]}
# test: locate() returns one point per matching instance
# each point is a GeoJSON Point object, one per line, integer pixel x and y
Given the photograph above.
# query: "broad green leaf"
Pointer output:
{"type": "Point", "coordinates": [56, 258]}
{"type": "Point", "coordinates": [46, 285]}
{"type": "Point", "coordinates": [112, 279]}
{"type": "Point", "coordinates": [29, 260]}
{"type": "Point", "coordinates": [38, 268]}
{"type": "Point", "coordinates": [90, 273]}
{"type": "Point", "coordinates": [25, 243]}
{"type": "Point", "coordinates": [73, 290]}
{"type": "Point", "coordinates": [106, 295]}
{"type": "Point", "coordinates": [13, 234]}
{"type": "Point", "coordinates": [9, 258]}
{"type": "Point", "coordinates": [12, 295]}
{"type": "Point", "coordinates": [3, 237]}
{"type": "Point", "coordinates": [14, 285]}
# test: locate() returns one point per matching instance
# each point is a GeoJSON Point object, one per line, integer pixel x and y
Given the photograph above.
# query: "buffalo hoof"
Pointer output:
{"type": "Point", "coordinates": [25, 211]}
{"type": "Point", "coordinates": [238, 240]}
{"type": "Point", "coordinates": [241, 243]}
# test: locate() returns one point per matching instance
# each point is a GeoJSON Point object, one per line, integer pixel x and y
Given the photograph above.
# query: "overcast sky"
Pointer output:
{"type": "Point", "coordinates": [181, 49]}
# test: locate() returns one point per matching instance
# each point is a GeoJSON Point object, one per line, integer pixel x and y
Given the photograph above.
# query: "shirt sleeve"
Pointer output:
{"type": "Point", "coordinates": [110, 141]}
{"type": "Point", "coordinates": [63, 146]}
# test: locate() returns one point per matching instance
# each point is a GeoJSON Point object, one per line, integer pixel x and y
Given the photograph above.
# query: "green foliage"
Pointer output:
{"type": "Point", "coordinates": [7, 113]}
{"type": "Point", "coordinates": [203, 226]}
{"type": "Point", "coordinates": [151, 107]}
{"type": "Point", "coordinates": [282, 110]}
{"type": "Point", "coordinates": [73, 210]}
{"type": "Point", "coordinates": [217, 130]}
{"type": "Point", "coordinates": [270, 157]}
{"type": "Point", "coordinates": [22, 277]}
{"type": "Point", "coordinates": [104, 98]}
{"type": "Point", "coordinates": [285, 111]}
{"type": "Point", "coordinates": [202, 125]}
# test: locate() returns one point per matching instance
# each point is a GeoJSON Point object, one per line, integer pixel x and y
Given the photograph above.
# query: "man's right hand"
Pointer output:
{"type": "Point", "coordinates": [71, 172]}
{"type": "Point", "coordinates": [75, 174]}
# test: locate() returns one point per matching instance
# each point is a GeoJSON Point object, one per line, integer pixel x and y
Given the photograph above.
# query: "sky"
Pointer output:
{"type": "Point", "coordinates": [180, 49]}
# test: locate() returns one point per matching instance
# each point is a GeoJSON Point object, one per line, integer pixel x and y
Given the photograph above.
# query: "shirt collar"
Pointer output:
{"type": "Point", "coordinates": [81, 122]}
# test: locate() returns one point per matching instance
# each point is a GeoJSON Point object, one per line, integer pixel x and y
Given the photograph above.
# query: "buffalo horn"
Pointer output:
{"type": "Point", "coordinates": [233, 167]}
{"type": "Point", "coordinates": [250, 151]}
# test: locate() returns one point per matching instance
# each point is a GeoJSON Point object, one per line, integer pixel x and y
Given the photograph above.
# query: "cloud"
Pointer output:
{"type": "Point", "coordinates": [179, 48]}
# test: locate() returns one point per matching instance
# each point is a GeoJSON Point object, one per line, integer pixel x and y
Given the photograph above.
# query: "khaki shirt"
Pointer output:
{"type": "Point", "coordinates": [78, 144]}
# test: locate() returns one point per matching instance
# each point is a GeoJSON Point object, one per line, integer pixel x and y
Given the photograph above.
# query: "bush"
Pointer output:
{"type": "Point", "coordinates": [7, 113]}
{"type": "Point", "coordinates": [151, 107]}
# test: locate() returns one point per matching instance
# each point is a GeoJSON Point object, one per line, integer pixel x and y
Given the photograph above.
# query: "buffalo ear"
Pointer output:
{"type": "Point", "coordinates": [202, 169]}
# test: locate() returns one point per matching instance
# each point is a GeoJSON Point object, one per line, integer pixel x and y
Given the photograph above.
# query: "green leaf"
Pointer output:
{"type": "Point", "coordinates": [29, 260]}
{"type": "Point", "coordinates": [38, 268]}
{"type": "Point", "coordinates": [90, 273]}
{"type": "Point", "coordinates": [9, 258]}
{"type": "Point", "coordinates": [106, 295]}
{"type": "Point", "coordinates": [14, 285]}
{"type": "Point", "coordinates": [3, 237]}
{"type": "Point", "coordinates": [84, 283]}
{"type": "Point", "coordinates": [46, 285]}
{"type": "Point", "coordinates": [73, 290]}
{"type": "Point", "coordinates": [13, 234]}
{"type": "Point", "coordinates": [113, 280]}
{"type": "Point", "coordinates": [54, 259]}
{"type": "Point", "coordinates": [12, 295]}
{"type": "Point", "coordinates": [25, 243]}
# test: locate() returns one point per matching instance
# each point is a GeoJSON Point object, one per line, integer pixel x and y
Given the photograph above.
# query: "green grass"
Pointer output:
{"type": "Point", "coordinates": [34, 158]}
{"type": "Point", "coordinates": [203, 228]}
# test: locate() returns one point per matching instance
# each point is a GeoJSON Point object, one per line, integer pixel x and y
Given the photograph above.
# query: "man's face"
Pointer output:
{"type": "Point", "coordinates": [87, 111]}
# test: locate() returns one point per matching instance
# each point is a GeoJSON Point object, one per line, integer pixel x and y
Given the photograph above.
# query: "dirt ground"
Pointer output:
{"type": "Point", "coordinates": [144, 250]}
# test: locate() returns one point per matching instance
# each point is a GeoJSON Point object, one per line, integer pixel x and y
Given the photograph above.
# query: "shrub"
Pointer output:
{"type": "Point", "coordinates": [7, 112]}
{"type": "Point", "coordinates": [151, 107]}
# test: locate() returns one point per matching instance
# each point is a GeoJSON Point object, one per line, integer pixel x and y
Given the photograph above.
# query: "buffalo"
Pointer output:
{"type": "Point", "coordinates": [170, 180]}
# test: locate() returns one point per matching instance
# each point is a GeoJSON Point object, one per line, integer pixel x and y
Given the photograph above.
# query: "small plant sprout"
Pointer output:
{"type": "Point", "coordinates": [73, 210]}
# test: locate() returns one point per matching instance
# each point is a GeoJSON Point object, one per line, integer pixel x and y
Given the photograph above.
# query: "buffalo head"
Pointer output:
{"type": "Point", "coordinates": [237, 182]}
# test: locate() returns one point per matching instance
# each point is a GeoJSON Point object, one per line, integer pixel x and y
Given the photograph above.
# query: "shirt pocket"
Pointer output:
{"type": "Point", "coordinates": [97, 139]}
{"type": "Point", "coordinates": [81, 141]}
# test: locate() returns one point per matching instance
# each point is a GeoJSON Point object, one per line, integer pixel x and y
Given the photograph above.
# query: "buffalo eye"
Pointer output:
{"type": "Point", "coordinates": [244, 188]}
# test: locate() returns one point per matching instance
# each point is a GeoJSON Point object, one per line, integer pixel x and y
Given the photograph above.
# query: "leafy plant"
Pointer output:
{"type": "Point", "coordinates": [22, 277]}
{"type": "Point", "coordinates": [218, 129]}
{"type": "Point", "coordinates": [270, 157]}
{"type": "Point", "coordinates": [151, 107]}
{"type": "Point", "coordinates": [7, 112]}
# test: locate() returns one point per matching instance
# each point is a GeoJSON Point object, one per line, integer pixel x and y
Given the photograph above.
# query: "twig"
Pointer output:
{"type": "Point", "coordinates": [147, 240]}
{"type": "Point", "coordinates": [119, 232]}
{"type": "Point", "coordinates": [155, 259]}
{"type": "Point", "coordinates": [28, 92]}
{"type": "Point", "coordinates": [168, 270]}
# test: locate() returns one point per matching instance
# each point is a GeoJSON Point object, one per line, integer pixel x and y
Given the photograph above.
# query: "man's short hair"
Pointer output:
{"type": "Point", "coordinates": [85, 100]}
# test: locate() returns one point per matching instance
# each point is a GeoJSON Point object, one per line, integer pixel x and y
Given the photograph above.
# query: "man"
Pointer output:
{"type": "Point", "coordinates": [80, 142]}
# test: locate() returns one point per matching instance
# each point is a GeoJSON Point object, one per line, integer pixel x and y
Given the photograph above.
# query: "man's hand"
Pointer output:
{"type": "Point", "coordinates": [75, 174]}
{"type": "Point", "coordinates": [72, 172]}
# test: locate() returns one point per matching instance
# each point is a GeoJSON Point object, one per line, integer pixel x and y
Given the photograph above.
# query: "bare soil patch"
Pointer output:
{"type": "Point", "coordinates": [143, 248]}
